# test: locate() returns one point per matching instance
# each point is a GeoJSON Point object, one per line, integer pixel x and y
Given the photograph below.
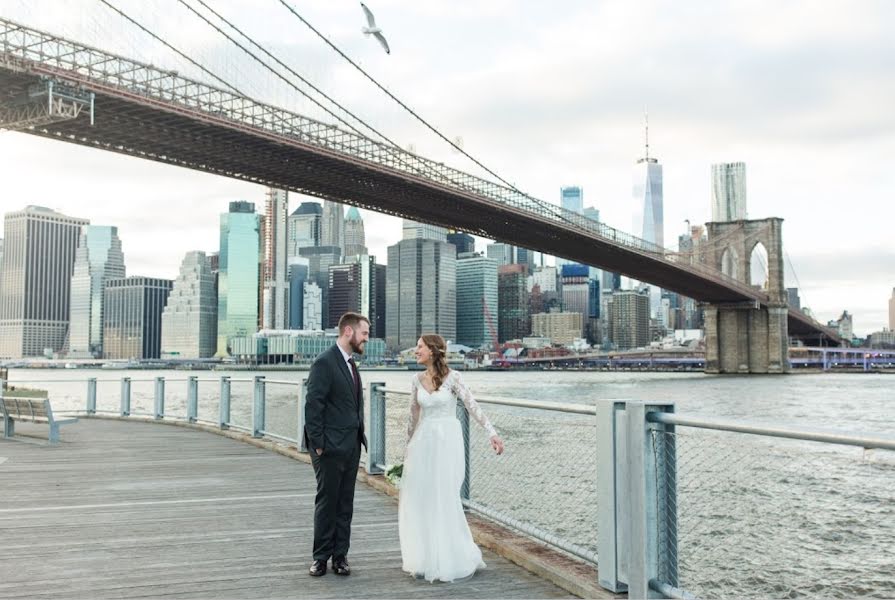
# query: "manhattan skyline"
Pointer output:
{"type": "Point", "coordinates": [557, 100]}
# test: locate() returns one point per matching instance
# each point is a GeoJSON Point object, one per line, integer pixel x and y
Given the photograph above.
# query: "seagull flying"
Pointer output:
{"type": "Point", "coordinates": [372, 29]}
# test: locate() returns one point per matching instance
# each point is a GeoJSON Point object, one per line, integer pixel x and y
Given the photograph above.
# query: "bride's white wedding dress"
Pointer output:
{"type": "Point", "coordinates": [436, 543]}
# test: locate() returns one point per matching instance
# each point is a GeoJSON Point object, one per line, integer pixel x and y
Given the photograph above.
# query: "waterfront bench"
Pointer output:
{"type": "Point", "coordinates": [35, 410]}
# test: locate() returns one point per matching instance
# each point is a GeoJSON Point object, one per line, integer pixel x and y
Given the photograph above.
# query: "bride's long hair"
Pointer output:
{"type": "Point", "coordinates": [436, 345]}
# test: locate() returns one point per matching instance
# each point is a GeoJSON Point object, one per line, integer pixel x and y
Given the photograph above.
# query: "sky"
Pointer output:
{"type": "Point", "coordinates": [546, 95]}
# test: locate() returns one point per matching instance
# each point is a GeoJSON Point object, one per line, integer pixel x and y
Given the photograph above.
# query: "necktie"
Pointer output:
{"type": "Point", "coordinates": [356, 377]}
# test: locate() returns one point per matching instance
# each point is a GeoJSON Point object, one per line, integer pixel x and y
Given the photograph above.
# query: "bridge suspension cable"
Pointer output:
{"type": "Point", "coordinates": [170, 47]}
{"type": "Point", "coordinates": [220, 79]}
{"type": "Point", "coordinates": [288, 68]}
{"type": "Point", "coordinates": [400, 103]}
{"type": "Point", "coordinates": [396, 151]}
{"type": "Point", "coordinates": [422, 167]}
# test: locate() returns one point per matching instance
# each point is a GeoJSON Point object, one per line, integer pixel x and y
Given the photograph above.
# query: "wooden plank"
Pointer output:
{"type": "Point", "coordinates": [129, 509]}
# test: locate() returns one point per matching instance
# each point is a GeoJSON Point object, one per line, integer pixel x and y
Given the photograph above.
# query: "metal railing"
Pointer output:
{"type": "Point", "coordinates": [540, 486]}
{"type": "Point", "coordinates": [264, 407]}
{"type": "Point", "coordinates": [712, 508]}
{"type": "Point", "coordinates": [812, 496]}
{"type": "Point", "coordinates": [668, 505]}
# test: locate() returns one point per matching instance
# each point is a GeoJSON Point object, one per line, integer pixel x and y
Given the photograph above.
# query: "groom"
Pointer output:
{"type": "Point", "coordinates": [334, 432]}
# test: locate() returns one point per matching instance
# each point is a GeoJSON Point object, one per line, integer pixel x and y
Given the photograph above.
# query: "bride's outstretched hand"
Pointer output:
{"type": "Point", "coordinates": [497, 444]}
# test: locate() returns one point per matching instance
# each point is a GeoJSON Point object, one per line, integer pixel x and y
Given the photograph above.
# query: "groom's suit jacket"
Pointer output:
{"type": "Point", "coordinates": [334, 407]}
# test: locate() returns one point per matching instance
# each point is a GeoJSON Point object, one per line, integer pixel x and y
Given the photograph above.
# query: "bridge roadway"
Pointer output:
{"type": "Point", "coordinates": [151, 113]}
{"type": "Point", "coordinates": [129, 509]}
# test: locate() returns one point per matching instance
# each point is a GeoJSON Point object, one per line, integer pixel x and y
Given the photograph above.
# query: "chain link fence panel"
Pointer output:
{"type": "Point", "coordinates": [763, 517]}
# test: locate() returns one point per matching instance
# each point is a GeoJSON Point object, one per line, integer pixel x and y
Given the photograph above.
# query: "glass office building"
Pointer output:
{"type": "Point", "coordinates": [421, 291]}
{"type": "Point", "coordinates": [729, 191]}
{"type": "Point", "coordinates": [98, 259]}
{"type": "Point", "coordinates": [132, 326]}
{"type": "Point", "coordinates": [476, 300]}
{"type": "Point", "coordinates": [35, 289]}
{"type": "Point", "coordinates": [238, 266]}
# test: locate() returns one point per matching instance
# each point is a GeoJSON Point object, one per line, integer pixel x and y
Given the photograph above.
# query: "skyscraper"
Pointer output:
{"type": "Point", "coordinates": [275, 311]}
{"type": "Point", "coordinates": [298, 275]}
{"type": "Point", "coordinates": [190, 318]}
{"type": "Point", "coordinates": [463, 241]}
{"type": "Point", "coordinates": [892, 311]}
{"type": "Point", "coordinates": [729, 191]}
{"type": "Point", "coordinates": [526, 257]}
{"type": "Point", "coordinates": [648, 207]}
{"type": "Point", "coordinates": [477, 300]}
{"type": "Point", "coordinates": [572, 198]}
{"type": "Point", "coordinates": [421, 291]}
{"type": "Point", "coordinates": [844, 324]}
{"type": "Point", "coordinates": [38, 260]}
{"type": "Point", "coordinates": [238, 274]}
{"type": "Point", "coordinates": [504, 254]}
{"type": "Point", "coordinates": [560, 327]}
{"type": "Point", "coordinates": [97, 259]}
{"type": "Point", "coordinates": [304, 227]}
{"type": "Point", "coordinates": [792, 298]}
{"type": "Point", "coordinates": [649, 223]}
{"type": "Point", "coordinates": [332, 225]}
{"type": "Point", "coordinates": [593, 214]}
{"type": "Point", "coordinates": [545, 278]}
{"type": "Point", "coordinates": [355, 239]}
{"type": "Point", "coordinates": [132, 324]}
{"type": "Point", "coordinates": [544, 287]}
{"type": "Point", "coordinates": [359, 286]}
{"type": "Point", "coordinates": [576, 291]}
{"type": "Point", "coordinates": [413, 230]}
{"type": "Point", "coordinates": [513, 317]}
{"type": "Point", "coordinates": [629, 319]}
{"type": "Point", "coordinates": [312, 307]}
{"type": "Point", "coordinates": [320, 259]}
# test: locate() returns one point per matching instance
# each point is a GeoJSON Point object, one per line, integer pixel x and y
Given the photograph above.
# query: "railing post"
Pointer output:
{"type": "Point", "coordinates": [611, 486]}
{"type": "Point", "coordinates": [258, 407]}
{"type": "Point", "coordinates": [376, 455]}
{"type": "Point", "coordinates": [9, 426]}
{"type": "Point", "coordinates": [300, 421]}
{"type": "Point", "coordinates": [463, 416]}
{"type": "Point", "coordinates": [91, 396]}
{"type": "Point", "coordinates": [125, 396]}
{"type": "Point", "coordinates": [651, 532]}
{"type": "Point", "coordinates": [224, 418]}
{"type": "Point", "coordinates": [192, 398]}
{"type": "Point", "coordinates": [159, 398]}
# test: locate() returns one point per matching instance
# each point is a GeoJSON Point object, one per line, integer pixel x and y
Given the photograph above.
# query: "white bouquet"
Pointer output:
{"type": "Point", "coordinates": [393, 474]}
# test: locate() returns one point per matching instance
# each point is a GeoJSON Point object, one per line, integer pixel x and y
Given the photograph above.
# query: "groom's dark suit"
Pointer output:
{"type": "Point", "coordinates": [334, 423]}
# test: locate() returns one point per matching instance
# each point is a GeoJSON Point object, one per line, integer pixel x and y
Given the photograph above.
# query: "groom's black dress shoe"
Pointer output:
{"type": "Point", "coordinates": [318, 568]}
{"type": "Point", "coordinates": [340, 566]}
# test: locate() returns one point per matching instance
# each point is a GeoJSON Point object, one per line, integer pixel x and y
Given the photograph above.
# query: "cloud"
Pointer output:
{"type": "Point", "coordinates": [801, 91]}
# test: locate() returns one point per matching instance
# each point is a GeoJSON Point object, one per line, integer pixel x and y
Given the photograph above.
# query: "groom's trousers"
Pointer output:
{"type": "Point", "coordinates": [334, 504]}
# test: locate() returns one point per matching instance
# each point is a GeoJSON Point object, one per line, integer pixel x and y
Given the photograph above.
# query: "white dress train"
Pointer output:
{"type": "Point", "coordinates": [436, 543]}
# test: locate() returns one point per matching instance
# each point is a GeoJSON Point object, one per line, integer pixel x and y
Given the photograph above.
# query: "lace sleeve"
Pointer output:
{"type": "Point", "coordinates": [462, 392]}
{"type": "Point", "coordinates": [414, 417]}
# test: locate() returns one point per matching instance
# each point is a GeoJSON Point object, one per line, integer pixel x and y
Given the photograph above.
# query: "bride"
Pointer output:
{"type": "Point", "coordinates": [436, 543]}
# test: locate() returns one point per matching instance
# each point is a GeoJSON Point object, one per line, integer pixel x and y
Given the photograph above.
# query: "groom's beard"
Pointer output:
{"type": "Point", "coordinates": [356, 346]}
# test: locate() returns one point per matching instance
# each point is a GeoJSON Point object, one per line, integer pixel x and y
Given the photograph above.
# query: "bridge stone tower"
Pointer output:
{"type": "Point", "coordinates": [747, 337]}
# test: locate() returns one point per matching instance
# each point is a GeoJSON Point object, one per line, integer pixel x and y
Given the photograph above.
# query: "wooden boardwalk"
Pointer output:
{"type": "Point", "coordinates": [129, 509]}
